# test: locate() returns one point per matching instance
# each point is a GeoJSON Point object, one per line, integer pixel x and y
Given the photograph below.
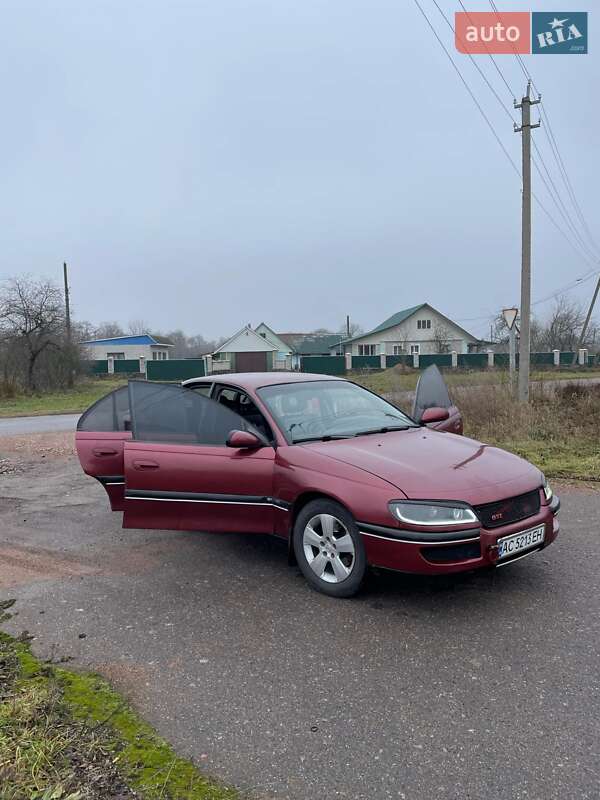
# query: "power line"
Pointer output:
{"type": "Point", "coordinates": [492, 59]}
{"type": "Point", "coordinates": [517, 56]}
{"type": "Point", "coordinates": [565, 175]}
{"type": "Point", "coordinates": [468, 88]}
{"type": "Point", "coordinates": [476, 65]}
{"type": "Point", "coordinates": [563, 212]}
{"type": "Point", "coordinates": [567, 288]}
{"type": "Point", "coordinates": [582, 253]}
{"type": "Point", "coordinates": [553, 143]}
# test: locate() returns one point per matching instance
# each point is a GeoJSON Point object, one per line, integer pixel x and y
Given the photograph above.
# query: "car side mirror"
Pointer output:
{"type": "Point", "coordinates": [243, 440]}
{"type": "Point", "coordinates": [434, 414]}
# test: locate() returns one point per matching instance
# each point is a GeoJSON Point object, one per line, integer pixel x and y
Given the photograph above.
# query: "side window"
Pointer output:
{"type": "Point", "coordinates": [244, 406]}
{"type": "Point", "coordinates": [110, 413]}
{"type": "Point", "coordinates": [174, 414]}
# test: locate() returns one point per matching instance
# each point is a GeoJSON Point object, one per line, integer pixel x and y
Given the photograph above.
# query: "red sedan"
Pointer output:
{"type": "Point", "coordinates": [340, 473]}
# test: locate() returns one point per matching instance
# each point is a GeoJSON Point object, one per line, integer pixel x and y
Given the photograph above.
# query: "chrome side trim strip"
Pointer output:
{"type": "Point", "coordinates": [218, 502]}
{"type": "Point", "coordinates": [419, 542]}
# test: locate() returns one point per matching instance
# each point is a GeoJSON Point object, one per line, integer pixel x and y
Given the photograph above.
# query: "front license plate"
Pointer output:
{"type": "Point", "coordinates": [511, 545]}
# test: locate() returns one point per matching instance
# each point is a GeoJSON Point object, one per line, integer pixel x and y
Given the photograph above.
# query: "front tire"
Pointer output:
{"type": "Point", "coordinates": [329, 548]}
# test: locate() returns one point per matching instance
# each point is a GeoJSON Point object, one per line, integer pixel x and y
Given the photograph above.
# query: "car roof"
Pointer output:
{"type": "Point", "coordinates": [254, 380]}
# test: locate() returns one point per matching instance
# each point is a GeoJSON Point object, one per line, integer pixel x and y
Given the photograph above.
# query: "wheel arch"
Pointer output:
{"type": "Point", "coordinates": [301, 502]}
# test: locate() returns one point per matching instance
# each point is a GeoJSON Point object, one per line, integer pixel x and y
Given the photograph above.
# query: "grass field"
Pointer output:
{"type": "Point", "coordinates": [388, 381]}
{"type": "Point", "coordinates": [67, 401]}
{"type": "Point", "coordinates": [558, 430]}
{"type": "Point", "coordinates": [68, 736]}
{"type": "Point", "coordinates": [397, 380]}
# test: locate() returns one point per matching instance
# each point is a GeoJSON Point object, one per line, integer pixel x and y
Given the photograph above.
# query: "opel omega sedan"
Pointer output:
{"type": "Point", "coordinates": [344, 476]}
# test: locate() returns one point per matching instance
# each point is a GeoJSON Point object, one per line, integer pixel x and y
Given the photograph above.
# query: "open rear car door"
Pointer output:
{"type": "Point", "coordinates": [432, 392]}
{"type": "Point", "coordinates": [102, 431]}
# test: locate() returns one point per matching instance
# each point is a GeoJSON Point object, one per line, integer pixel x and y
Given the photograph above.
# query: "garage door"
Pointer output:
{"type": "Point", "coordinates": [251, 362]}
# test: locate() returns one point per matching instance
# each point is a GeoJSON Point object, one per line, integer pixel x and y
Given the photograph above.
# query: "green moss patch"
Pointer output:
{"type": "Point", "coordinates": [70, 736]}
{"type": "Point", "coordinates": [147, 761]}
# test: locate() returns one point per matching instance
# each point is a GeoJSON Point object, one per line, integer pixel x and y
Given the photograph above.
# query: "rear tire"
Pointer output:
{"type": "Point", "coordinates": [329, 548]}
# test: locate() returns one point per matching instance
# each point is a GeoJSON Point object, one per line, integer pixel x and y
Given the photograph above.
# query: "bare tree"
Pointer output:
{"type": "Point", "coordinates": [441, 337]}
{"type": "Point", "coordinates": [32, 320]}
{"type": "Point", "coordinates": [138, 326]}
{"type": "Point", "coordinates": [355, 329]}
{"type": "Point", "coordinates": [562, 328]}
{"type": "Point", "coordinates": [108, 330]}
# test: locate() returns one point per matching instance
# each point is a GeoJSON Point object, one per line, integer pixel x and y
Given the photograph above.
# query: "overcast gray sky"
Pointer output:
{"type": "Point", "coordinates": [207, 164]}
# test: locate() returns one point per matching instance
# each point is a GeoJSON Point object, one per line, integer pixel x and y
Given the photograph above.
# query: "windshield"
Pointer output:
{"type": "Point", "coordinates": [330, 410]}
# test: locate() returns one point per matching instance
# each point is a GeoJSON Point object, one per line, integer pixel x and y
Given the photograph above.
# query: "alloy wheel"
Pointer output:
{"type": "Point", "coordinates": [328, 548]}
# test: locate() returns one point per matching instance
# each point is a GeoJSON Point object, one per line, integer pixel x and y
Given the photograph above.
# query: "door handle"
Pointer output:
{"type": "Point", "coordinates": [145, 465]}
{"type": "Point", "coordinates": [102, 451]}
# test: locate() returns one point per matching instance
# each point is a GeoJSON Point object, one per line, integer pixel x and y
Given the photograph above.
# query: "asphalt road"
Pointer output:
{"type": "Point", "coordinates": [48, 423]}
{"type": "Point", "coordinates": [481, 686]}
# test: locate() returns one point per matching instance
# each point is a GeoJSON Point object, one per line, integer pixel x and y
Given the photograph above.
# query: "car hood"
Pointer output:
{"type": "Point", "coordinates": [426, 464]}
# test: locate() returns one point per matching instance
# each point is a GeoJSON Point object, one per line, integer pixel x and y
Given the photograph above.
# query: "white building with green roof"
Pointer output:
{"type": "Point", "coordinates": [420, 329]}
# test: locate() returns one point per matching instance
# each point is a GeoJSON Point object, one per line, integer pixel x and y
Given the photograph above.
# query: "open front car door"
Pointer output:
{"type": "Point", "coordinates": [184, 470]}
{"type": "Point", "coordinates": [431, 393]}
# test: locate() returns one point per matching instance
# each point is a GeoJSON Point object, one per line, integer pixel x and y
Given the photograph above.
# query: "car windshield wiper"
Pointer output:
{"type": "Point", "coordinates": [385, 429]}
{"type": "Point", "coordinates": [326, 437]}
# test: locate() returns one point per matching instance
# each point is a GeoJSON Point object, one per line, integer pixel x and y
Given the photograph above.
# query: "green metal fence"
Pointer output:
{"type": "Point", "coordinates": [472, 360]}
{"type": "Point", "coordinates": [98, 367]}
{"type": "Point", "coordinates": [180, 369]}
{"type": "Point", "coordinates": [542, 359]}
{"type": "Point", "coordinates": [393, 361]}
{"type": "Point", "coordinates": [366, 362]}
{"type": "Point", "coordinates": [174, 369]}
{"type": "Point", "coordinates": [126, 365]}
{"type": "Point", "coordinates": [324, 365]}
{"type": "Point", "coordinates": [441, 359]}
{"type": "Point", "coordinates": [566, 358]}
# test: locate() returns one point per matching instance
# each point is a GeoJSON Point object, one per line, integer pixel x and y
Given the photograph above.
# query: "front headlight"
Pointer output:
{"type": "Point", "coordinates": [432, 514]}
{"type": "Point", "coordinates": [547, 491]}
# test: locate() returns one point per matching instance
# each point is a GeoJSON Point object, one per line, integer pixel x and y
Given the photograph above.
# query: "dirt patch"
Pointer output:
{"type": "Point", "coordinates": [37, 445]}
{"type": "Point", "coordinates": [20, 565]}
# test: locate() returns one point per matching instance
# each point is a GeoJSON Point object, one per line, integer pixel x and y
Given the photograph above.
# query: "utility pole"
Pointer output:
{"type": "Point", "coordinates": [67, 304]}
{"type": "Point", "coordinates": [587, 322]}
{"type": "Point", "coordinates": [70, 379]}
{"type": "Point", "coordinates": [524, 346]}
{"type": "Point", "coordinates": [348, 325]}
{"type": "Point", "coordinates": [512, 357]}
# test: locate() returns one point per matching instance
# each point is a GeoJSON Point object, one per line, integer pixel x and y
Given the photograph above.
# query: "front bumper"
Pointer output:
{"type": "Point", "coordinates": [451, 551]}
